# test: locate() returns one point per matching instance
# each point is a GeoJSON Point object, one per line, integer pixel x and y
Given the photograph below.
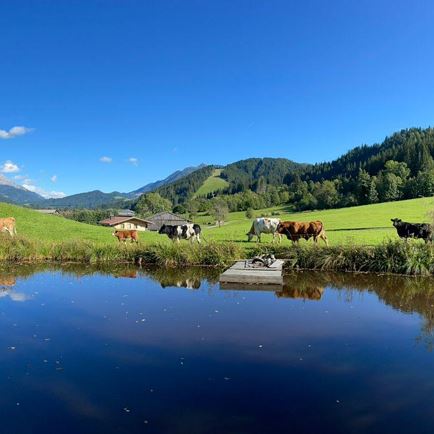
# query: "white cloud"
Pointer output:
{"type": "Point", "coordinates": [18, 177]}
{"type": "Point", "coordinates": [9, 167]}
{"type": "Point", "coordinates": [44, 193]}
{"type": "Point", "coordinates": [53, 178]}
{"type": "Point", "coordinates": [106, 159]}
{"type": "Point", "coordinates": [14, 132]}
{"type": "Point", "coordinates": [134, 161]}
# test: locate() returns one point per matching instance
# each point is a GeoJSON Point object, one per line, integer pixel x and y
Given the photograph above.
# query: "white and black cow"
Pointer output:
{"type": "Point", "coordinates": [264, 225]}
{"type": "Point", "coordinates": [189, 231]}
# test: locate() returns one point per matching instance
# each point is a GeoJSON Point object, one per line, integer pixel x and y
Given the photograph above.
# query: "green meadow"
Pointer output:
{"type": "Point", "coordinates": [362, 225]}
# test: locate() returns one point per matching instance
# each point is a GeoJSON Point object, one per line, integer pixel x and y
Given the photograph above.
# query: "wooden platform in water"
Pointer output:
{"type": "Point", "coordinates": [242, 274]}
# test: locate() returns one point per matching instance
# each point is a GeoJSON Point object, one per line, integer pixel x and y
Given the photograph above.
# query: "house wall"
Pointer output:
{"type": "Point", "coordinates": [130, 226]}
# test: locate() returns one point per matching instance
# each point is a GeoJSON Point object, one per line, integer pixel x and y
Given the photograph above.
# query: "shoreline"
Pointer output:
{"type": "Point", "coordinates": [390, 257]}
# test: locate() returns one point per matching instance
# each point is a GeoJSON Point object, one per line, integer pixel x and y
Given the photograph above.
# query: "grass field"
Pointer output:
{"type": "Point", "coordinates": [363, 225]}
{"type": "Point", "coordinates": [54, 238]}
{"type": "Point", "coordinates": [212, 184]}
{"type": "Point", "coordinates": [41, 227]}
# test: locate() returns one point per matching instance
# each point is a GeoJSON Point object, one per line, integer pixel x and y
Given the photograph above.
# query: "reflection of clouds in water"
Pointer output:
{"type": "Point", "coordinates": [13, 295]}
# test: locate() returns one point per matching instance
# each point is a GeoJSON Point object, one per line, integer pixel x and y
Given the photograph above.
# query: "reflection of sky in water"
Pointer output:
{"type": "Point", "coordinates": [122, 355]}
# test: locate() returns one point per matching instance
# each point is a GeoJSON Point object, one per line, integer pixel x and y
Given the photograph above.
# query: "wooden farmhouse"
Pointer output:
{"type": "Point", "coordinates": [126, 223]}
{"type": "Point", "coordinates": [165, 218]}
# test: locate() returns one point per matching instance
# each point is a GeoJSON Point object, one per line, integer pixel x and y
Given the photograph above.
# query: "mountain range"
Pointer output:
{"type": "Point", "coordinates": [12, 192]}
{"type": "Point", "coordinates": [414, 146]}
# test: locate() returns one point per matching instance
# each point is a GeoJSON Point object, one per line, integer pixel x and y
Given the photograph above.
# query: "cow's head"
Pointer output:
{"type": "Point", "coordinates": [162, 230]}
{"type": "Point", "coordinates": [114, 233]}
{"type": "Point", "coordinates": [396, 221]}
{"type": "Point", "coordinates": [250, 235]}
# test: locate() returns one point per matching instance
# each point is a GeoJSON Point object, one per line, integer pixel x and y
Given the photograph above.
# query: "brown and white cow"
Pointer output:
{"type": "Point", "coordinates": [126, 235]}
{"type": "Point", "coordinates": [8, 224]}
{"type": "Point", "coordinates": [295, 231]}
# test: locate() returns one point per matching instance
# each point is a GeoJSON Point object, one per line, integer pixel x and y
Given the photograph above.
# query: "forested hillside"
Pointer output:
{"type": "Point", "coordinates": [401, 167]}
{"type": "Point", "coordinates": [256, 173]}
{"type": "Point", "coordinates": [414, 146]}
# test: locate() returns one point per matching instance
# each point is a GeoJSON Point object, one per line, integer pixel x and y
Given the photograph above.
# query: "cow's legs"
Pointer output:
{"type": "Point", "coordinates": [323, 236]}
{"type": "Point", "coordinates": [5, 229]}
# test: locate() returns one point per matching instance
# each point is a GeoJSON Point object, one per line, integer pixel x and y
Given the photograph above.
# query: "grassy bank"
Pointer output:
{"type": "Point", "coordinates": [22, 249]}
{"type": "Point", "coordinates": [362, 239]}
{"type": "Point", "coordinates": [399, 257]}
{"type": "Point", "coordinates": [412, 258]}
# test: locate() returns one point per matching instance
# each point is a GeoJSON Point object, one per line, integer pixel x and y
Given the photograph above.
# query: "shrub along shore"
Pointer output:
{"type": "Point", "coordinates": [411, 258]}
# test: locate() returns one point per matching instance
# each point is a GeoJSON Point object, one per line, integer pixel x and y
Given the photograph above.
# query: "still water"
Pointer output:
{"type": "Point", "coordinates": [160, 351]}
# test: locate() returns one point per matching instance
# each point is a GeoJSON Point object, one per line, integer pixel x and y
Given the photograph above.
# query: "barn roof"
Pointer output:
{"type": "Point", "coordinates": [113, 221]}
{"type": "Point", "coordinates": [165, 217]}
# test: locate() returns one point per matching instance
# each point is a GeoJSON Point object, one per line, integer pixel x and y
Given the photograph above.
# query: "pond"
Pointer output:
{"type": "Point", "coordinates": [86, 350]}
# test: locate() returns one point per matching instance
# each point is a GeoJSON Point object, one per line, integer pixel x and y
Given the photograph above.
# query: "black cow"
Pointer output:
{"type": "Point", "coordinates": [189, 231]}
{"type": "Point", "coordinates": [413, 230]}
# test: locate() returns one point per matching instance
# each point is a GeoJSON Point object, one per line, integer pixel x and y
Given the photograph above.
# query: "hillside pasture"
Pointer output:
{"type": "Point", "coordinates": [212, 184]}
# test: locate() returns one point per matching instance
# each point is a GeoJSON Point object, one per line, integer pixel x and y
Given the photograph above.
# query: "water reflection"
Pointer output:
{"type": "Point", "coordinates": [7, 281]}
{"type": "Point", "coordinates": [128, 350]}
{"type": "Point", "coordinates": [406, 294]}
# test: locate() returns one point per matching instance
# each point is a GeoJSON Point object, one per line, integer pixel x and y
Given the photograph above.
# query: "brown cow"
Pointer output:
{"type": "Point", "coordinates": [126, 235]}
{"type": "Point", "coordinates": [8, 224]}
{"type": "Point", "coordinates": [295, 231]}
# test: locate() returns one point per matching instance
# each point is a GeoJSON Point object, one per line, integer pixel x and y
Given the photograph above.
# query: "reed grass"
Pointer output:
{"type": "Point", "coordinates": [20, 249]}
{"type": "Point", "coordinates": [399, 257]}
{"type": "Point", "coordinates": [411, 258]}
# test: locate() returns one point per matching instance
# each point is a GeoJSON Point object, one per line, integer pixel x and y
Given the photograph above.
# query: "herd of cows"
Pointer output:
{"type": "Point", "coordinates": [293, 230]}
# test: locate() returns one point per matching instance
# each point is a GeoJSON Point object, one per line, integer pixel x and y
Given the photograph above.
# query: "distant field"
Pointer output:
{"type": "Point", "coordinates": [369, 224]}
{"type": "Point", "coordinates": [212, 184]}
{"type": "Point", "coordinates": [366, 225]}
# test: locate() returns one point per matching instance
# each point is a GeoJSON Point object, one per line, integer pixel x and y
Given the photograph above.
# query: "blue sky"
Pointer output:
{"type": "Point", "coordinates": [179, 83]}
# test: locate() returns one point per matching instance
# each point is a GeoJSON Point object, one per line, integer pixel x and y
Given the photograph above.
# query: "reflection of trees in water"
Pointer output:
{"type": "Point", "coordinates": [301, 285]}
{"type": "Point", "coordinates": [406, 294]}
